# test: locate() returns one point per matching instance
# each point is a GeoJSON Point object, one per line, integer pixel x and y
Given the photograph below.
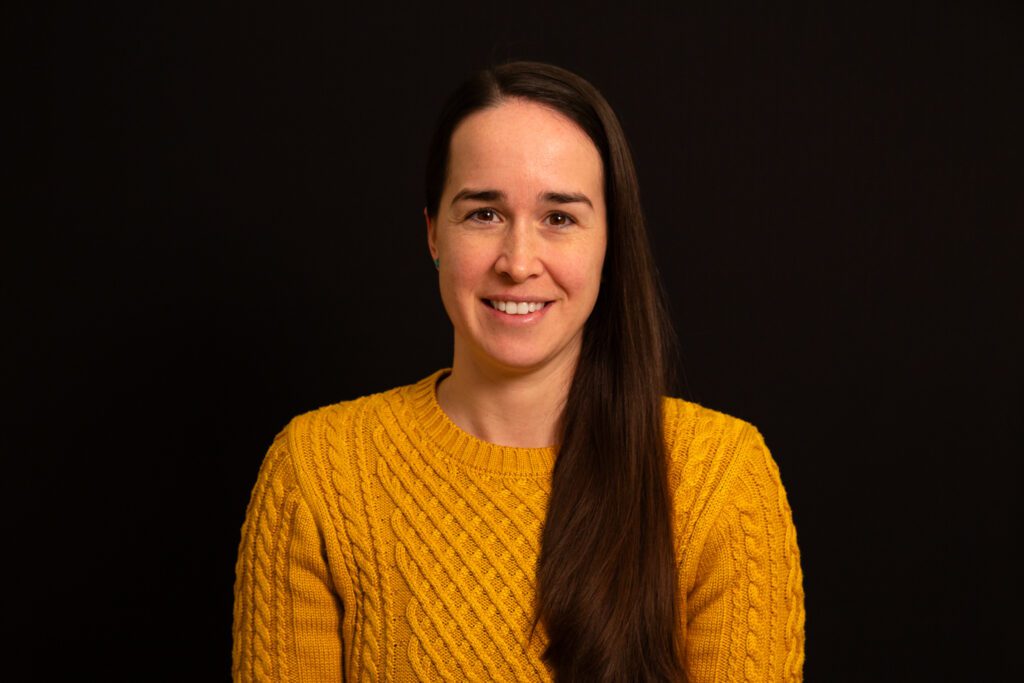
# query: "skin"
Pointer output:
{"type": "Point", "coordinates": [539, 233]}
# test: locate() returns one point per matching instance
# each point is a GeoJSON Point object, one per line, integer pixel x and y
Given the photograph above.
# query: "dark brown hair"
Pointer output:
{"type": "Point", "coordinates": [606, 574]}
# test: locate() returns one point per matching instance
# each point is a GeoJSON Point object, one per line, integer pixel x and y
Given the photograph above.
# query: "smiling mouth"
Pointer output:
{"type": "Point", "coordinates": [516, 307]}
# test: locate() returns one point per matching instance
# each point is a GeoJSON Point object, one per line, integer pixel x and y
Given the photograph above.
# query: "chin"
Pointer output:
{"type": "Point", "coordinates": [522, 365]}
{"type": "Point", "coordinates": [516, 362]}
{"type": "Point", "coordinates": [519, 360]}
{"type": "Point", "coordinates": [513, 354]}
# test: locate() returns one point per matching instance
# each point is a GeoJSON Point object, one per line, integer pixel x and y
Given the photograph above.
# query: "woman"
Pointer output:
{"type": "Point", "coordinates": [539, 511]}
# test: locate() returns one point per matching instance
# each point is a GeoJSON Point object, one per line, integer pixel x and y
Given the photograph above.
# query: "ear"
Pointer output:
{"type": "Point", "coordinates": [431, 234]}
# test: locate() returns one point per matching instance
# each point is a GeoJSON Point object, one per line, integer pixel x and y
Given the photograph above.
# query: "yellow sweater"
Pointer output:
{"type": "Point", "coordinates": [384, 543]}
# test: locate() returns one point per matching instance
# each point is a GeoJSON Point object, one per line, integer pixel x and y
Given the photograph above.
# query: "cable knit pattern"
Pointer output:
{"type": "Point", "coordinates": [383, 543]}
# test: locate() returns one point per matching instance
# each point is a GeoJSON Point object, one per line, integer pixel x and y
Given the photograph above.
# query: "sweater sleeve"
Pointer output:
{"type": "Point", "coordinates": [287, 615]}
{"type": "Point", "coordinates": [745, 611]}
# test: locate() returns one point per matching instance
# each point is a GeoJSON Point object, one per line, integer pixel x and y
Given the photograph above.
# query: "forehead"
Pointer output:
{"type": "Point", "coordinates": [521, 142]}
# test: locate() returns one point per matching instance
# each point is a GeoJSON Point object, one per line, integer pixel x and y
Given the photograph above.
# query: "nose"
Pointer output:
{"type": "Point", "coordinates": [520, 257]}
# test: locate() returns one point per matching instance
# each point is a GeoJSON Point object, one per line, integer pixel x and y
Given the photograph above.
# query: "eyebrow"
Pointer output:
{"type": "Point", "coordinates": [497, 195]}
{"type": "Point", "coordinates": [478, 195]}
{"type": "Point", "coordinates": [566, 198]}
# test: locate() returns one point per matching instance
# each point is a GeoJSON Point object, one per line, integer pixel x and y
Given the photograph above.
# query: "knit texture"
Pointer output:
{"type": "Point", "coordinates": [384, 543]}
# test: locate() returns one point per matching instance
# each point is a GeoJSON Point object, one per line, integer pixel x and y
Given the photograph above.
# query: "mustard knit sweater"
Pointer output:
{"type": "Point", "coordinates": [384, 543]}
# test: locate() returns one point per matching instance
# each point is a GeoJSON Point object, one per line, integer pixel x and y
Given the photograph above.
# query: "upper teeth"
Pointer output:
{"type": "Point", "coordinates": [518, 307]}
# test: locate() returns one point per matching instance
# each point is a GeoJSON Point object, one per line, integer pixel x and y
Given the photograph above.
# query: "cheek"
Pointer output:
{"type": "Point", "coordinates": [462, 272]}
{"type": "Point", "coordinates": [589, 271]}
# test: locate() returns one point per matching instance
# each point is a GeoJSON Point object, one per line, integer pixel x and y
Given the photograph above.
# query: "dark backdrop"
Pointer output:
{"type": "Point", "coordinates": [222, 229]}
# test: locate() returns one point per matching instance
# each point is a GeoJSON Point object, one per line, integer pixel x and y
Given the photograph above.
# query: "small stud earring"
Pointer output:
{"type": "Point", "coordinates": [437, 263]}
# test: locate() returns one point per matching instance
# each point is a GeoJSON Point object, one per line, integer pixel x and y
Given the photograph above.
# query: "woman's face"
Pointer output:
{"type": "Point", "coordinates": [520, 233]}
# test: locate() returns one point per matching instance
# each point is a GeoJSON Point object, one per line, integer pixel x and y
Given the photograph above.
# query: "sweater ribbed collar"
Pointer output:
{"type": "Point", "coordinates": [459, 445]}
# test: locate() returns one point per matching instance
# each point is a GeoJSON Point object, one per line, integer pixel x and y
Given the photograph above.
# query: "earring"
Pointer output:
{"type": "Point", "coordinates": [437, 263]}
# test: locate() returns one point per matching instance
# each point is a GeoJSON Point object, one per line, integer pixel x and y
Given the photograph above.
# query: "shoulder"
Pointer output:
{"type": "Point", "coordinates": [327, 436]}
{"type": "Point", "coordinates": [335, 443]}
{"type": "Point", "coordinates": [321, 457]}
{"type": "Point", "coordinates": [330, 419]}
{"type": "Point", "coordinates": [715, 460]}
{"type": "Point", "coordinates": [703, 439]}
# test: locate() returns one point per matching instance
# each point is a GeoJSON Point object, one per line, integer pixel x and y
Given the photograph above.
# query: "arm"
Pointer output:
{"type": "Point", "coordinates": [287, 615]}
{"type": "Point", "coordinates": [745, 611]}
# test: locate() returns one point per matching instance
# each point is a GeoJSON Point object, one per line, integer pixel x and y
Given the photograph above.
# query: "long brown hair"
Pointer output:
{"type": "Point", "coordinates": [606, 574]}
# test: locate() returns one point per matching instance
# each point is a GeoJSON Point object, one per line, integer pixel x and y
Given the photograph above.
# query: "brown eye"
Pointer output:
{"type": "Point", "coordinates": [560, 219]}
{"type": "Point", "coordinates": [484, 215]}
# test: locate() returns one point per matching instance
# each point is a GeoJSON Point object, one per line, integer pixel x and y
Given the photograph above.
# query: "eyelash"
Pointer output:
{"type": "Point", "coordinates": [569, 219]}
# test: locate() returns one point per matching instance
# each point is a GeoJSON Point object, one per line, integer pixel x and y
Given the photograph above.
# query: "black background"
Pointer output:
{"type": "Point", "coordinates": [222, 228]}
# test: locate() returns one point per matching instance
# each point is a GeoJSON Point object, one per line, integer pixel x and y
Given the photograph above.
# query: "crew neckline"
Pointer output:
{"type": "Point", "coordinates": [459, 445]}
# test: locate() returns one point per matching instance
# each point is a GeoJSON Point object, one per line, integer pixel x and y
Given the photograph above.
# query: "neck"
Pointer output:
{"type": "Point", "coordinates": [520, 409]}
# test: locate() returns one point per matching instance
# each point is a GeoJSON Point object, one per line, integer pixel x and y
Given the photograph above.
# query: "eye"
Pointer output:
{"type": "Point", "coordinates": [560, 219]}
{"type": "Point", "coordinates": [483, 215]}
